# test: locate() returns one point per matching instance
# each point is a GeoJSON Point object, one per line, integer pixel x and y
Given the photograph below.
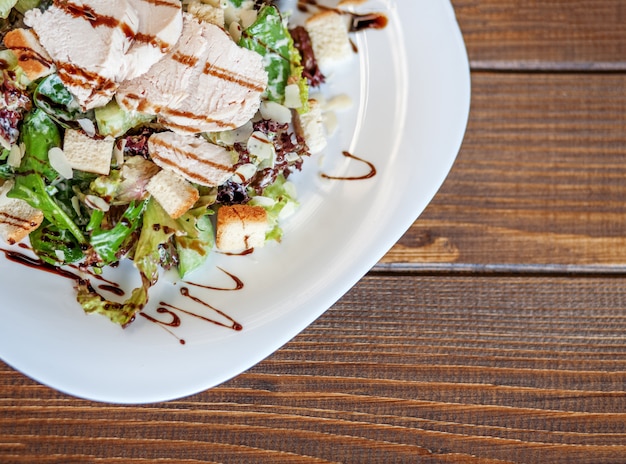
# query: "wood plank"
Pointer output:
{"type": "Point", "coordinates": [544, 34]}
{"type": "Point", "coordinates": [447, 368]}
{"type": "Point", "coordinates": [540, 178]}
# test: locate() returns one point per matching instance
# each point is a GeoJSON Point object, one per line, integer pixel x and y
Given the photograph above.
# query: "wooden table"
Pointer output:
{"type": "Point", "coordinates": [493, 332]}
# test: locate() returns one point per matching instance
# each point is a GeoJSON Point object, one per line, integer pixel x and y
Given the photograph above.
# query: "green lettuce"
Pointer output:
{"type": "Point", "coordinates": [55, 246]}
{"type": "Point", "coordinates": [148, 257]}
{"type": "Point", "coordinates": [52, 96]}
{"type": "Point", "coordinates": [120, 313]}
{"type": "Point", "coordinates": [194, 247]}
{"type": "Point", "coordinates": [35, 178]}
{"type": "Point", "coordinates": [278, 200]}
{"type": "Point", "coordinates": [269, 37]}
{"type": "Point", "coordinates": [6, 171]}
{"type": "Point", "coordinates": [5, 7]}
{"type": "Point", "coordinates": [107, 242]}
{"type": "Point", "coordinates": [191, 234]}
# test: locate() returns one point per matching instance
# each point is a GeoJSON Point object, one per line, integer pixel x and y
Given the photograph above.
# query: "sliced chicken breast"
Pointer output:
{"type": "Point", "coordinates": [86, 39]}
{"type": "Point", "coordinates": [160, 26]}
{"type": "Point", "coordinates": [206, 83]}
{"type": "Point", "coordinates": [192, 157]}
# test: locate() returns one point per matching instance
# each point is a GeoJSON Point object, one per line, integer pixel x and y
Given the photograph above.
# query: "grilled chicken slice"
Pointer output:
{"type": "Point", "coordinates": [192, 157]}
{"type": "Point", "coordinates": [86, 40]}
{"type": "Point", "coordinates": [96, 44]}
{"type": "Point", "coordinates": [160, 25]}
{"type": "Point", "coordinates": [206, 83]}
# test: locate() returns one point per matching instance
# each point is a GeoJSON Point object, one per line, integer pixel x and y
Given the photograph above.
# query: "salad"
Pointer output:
{"type": "Point", "coordinates": [128, 143]}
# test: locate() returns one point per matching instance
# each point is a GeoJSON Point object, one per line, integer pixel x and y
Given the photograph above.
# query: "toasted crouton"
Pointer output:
{"type": "Point", "coordinates": [17, 218]}
{"type": "Point", "coordinates": [31, 56]}
{"type": "Point", "coordinates": [205, 12]}
{"type": "Point", "coordinates": [86, 153]}
{"type": "Point", "coordinates": [310, 126]}
{"type": "Point", "coordinates": [175, 195]}
{"type": "Point", "coordinates": [240, 228]}
{"type": "Point", "coordinates": [329, 38]}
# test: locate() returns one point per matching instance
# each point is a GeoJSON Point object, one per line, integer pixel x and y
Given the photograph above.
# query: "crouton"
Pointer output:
{"type": "Point", "coordinates": [17, 218]}
{"type": "Point", "coordinates": [205, 12]}
{"type": "Point", "coordinates": [175, 195]}
{"type": "Point", "coordinates": [329, 38]}
{"type": "Point", "coordinates": [310, 126]}
{"type": "Point", "coordinates": [240, 228]}
{"type": "Point", "coordinates": [86, 153]}
{"type": "Point", "coordinates": [31, 56]}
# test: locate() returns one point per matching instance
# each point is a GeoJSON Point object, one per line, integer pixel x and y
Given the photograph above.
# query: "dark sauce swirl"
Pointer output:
{"type": "Point", "coordinates": [164, 307]}
{"type": "Point", "coordinates": [368, 175]}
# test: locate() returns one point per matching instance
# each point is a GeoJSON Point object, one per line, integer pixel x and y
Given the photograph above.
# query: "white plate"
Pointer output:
{"type": "Point", "coordinates": [411, 87]}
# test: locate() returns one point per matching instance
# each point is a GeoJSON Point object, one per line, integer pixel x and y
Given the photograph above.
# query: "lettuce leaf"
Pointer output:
{"type": "Point", "coordinates": [108, 242]}
{"type": "Point", "coordinates": [148, 256]}
{"type": "Point", "coordinates": [119, 313]}
{"type": "Point", "coordinates": [5, 7]}
{"type": "Point", "coordinates": [35, 177]}
{"type": "Point", "coordinates": [279, 201]}
{"type": "Point", "coordinates": [195, 245]}
{"type": "Point", "coordinates": [269, 37]}
{"type": "Point", "coordinates": [55, 246]}
{"type": "Point", "coordinates": [52, 96]}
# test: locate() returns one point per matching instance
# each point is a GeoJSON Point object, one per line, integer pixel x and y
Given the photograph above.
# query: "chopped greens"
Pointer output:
{"type": "Point", "coordinates": [35, 178]}
{"type": "Point", "coordinates": [5, 7]}
{"type": "Point", "coordinates": [107, 242]}
{"type": "Point", "coordinates": [269, 37]}
{"type": "Point", "coordinates": [93, 218]}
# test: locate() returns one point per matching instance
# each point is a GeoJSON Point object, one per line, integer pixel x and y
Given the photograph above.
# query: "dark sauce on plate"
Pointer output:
{"type": "Point", "coordinates": [110, 286]}
{"type": "Point", "coordinates": [368, 175]}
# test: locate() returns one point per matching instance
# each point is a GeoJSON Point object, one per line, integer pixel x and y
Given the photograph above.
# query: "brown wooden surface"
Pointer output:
{"type": "Point", "coordinates": [493, 332]}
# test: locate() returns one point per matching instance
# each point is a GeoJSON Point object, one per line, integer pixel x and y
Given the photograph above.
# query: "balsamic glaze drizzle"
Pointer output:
{"type": "Point", "coordinates": [371, 173]}
{"type": "Point", "coordinates": [236, 280]}
{"type": "Point", "coordinates": [357, 22]}
{"type": "Point", "coordinates": [164, 307]}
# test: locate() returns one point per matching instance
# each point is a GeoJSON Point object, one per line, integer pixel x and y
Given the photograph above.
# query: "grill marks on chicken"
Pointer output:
{"type": "Point", "coordinates": [193, 158]}
{"type": "Point", "coordinates": [206, 83]}
{"type": "Point", "coordinates": [231, 76]}
{"type": "Point", "coordinates": [97, 20]}
{"type": "Point", "coordinates": [97, 44]}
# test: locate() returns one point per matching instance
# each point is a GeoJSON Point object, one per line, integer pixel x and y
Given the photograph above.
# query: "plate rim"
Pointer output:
{"type": "Point", "coordinates": [324, 302]}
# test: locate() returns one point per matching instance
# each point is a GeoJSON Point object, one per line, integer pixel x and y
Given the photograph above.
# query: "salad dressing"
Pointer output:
{"type": "Point", "coordinates": [237, 281]}
{"type": "Point", "coordinates": [371, 173]}
{"type": "Point", "coordinates": [245, 252]}
{"type": "Point", "coordinates": [153, 41]}
{"type": "Point", "coordinates": [234, 324]}
{"type": "Point", "coordinates": [69, 71]}
{"type": "Point", "coordinates": [96, 20]}
{"type": "Point", "coordinates": [115, 289]}
{"type": "Point", "coordinates": [35, 263]}
{"type": "Point", "coordinates": [28, 54]}
{"type": "Point", "coordinates": [164, 308]}
{"type": "Point", "coordinates": [175, 322]}
{"type": "Point", "coordinates": [104, 237]}
{"type": "Point", "coordinates": [167, 308]}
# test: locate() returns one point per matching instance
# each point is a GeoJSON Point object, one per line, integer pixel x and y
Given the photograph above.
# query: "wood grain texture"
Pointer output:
{"type": "Point", "coordinates": [539, 179]}
{"type": "Point", "coordinates": [493, 332]}
{"type": "Point", "coordinates": [460, 369]}
{"type": "Point", "coordinates": [544, 34]}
